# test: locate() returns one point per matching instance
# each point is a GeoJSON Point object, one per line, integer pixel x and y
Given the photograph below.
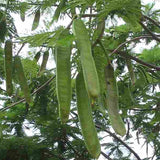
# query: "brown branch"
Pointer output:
{"type": "Point", "coordinates": [145, 110]}
{"type": "Point", "coordinates": [114, 136]}
{"type": "Point", "coordinates": [152, 34]}
{"type": "Point", "coordinates": [106, 156]}
{"type": "Point", "coordinates": [23, 100]}
{"type": "Point", "coordinates": [30, 3]}
{"type": "Point", "coordinates": [124, 54]}
{"type": "Point", "coordinates": [2, 89]}
{"type": "Point", "coordinates": [20, 49]}
{"type": "Point", "coordinates": [152, 20]}
{"type": "Point", "coordinates": [88, 15]}
{"type": "Point", "coordinates": [131, 40]}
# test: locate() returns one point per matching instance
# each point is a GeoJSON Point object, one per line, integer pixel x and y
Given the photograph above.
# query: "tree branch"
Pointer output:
{"type": "Point", "coordinates": [106, 156]}
{"type": "Point", "coordinates": [29, 3]}
{"type": "Point", "coordinates": [2, 89]}
{"type": "Point", "coordinates": [20, 49]}
{"type": "Point", "coordinates": [145, 110]}
{"type": "Point", "coordinates": [152, 34]}
{"type": "Point", "coordinates": [114, 136]}
{"type": "Point", "coordinates": [131, 40]}
{"type": "Point", "coordinates": [88, 15]}
{"type": "Point", "coordinates": [23, 100]}
{"type": "Point", "coordinates": [152, 20]}
{"type": "Point", "coordinates": [124, 54]}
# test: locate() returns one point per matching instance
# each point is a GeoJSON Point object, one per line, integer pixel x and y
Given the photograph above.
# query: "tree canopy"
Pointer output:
{"type": "Point", "coordinates": [102, 92]}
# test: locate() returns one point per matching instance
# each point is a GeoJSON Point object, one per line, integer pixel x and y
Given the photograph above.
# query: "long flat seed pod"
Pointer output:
{"type": "Point", "coordinates": [36, 19]}
{"type": "Point", "coordinates": [58, 10]}
{"type": "Point", "coordinates": [23, 7]}
{"type": "Point", "coordinates": [21, 78]}
{"type": "Point", "coordinates": [100, 62]}
{"type": "Point", "coordinates": [3, 28]}
{"type": "Point", "coordinates": [87, 61]}
{"type": "Point", "coordinates": [8, 66]}
{"type": "Point", "coordinates": [131, 71]}
{"type": "Point", "coordinates": [63, 78]}
{"type": "Point", "coordinates": [44, 62]}
{"type": "Point", "coordinates": [85, 117]}
{"type": "Point", "coordinates": [112, 101]}
{"type": "Point", "coordinates": [97, 35]}
{"type": "Point", "coordinates": [37, 56]}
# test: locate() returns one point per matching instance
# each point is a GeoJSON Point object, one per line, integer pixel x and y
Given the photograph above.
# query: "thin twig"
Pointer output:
{"type": "Point", "coordinates": [23, 100]}
{"type": "Point", "coordinates": [30, 3]}
{"type": "Point", "coordinates": [131, 40]}
{"type": "Point", "coordinates": [114, 136]}
{"type": "Point", "coordinates": [124, 54]}
{"type": "Point", "coordinates": [106, 156]}
{"type": "Point", "coordinates": [20, 49]}
{"type": "Point", "coordinates": [88, 15]}
{"type": "Point", "coordinates": [152, 34]}
{"type": "Point", "coordinates": [152, 20]}
{"type": "Point", "coordinates": [145, 110]}
{"type": "Point", "coordinates": [2, 89]}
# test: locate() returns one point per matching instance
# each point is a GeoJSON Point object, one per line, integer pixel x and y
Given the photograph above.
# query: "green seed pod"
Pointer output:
{"type": "Point", "coordinates": [63, 78]}
{"type": "Point", "coordinates": [37, 56]}
{"type": "Point", "coordinates": [59, 9]}
{"type": "Point", "coordinates": [87, 61]}
{"type": "Point", "coordinates": [36, 19]}
{"type": "Point", "coordinates": [44, 62]}
{"type": "Point", "coordinates": [8, 66]}
{"type": "Point", "coordinates": [112, 101]}
{"type": "Point", "coordinates": [21, 78]}
{"type": "Point", "coordinates": [131, 71]}
{"type": "Point", "coordinates": [85, 117]}
{"type": "Point", "coordinates": [98, 31]}
{"type": "Point", "coordinates": [3, 28]}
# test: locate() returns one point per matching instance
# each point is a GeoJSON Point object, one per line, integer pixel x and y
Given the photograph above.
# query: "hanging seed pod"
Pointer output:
{"type": "Point", "coordinates": [8, 66]}
{"type": "Point", "coordinates": [36, 19]}
{"type": "Point", "coordinates": [131, 71]}
{"type": "Point", "coordinates": [63, 78]}
{"type": "Point", "coordinates": [37, 56]}
{"type": "Point", "coordinates": [22, 79]}
{"type": "Point", "coordinates": [58, 10]}
{"type": "Point", "coordinates": [85, 117]}
{"type": "Point", "coordinates": [3, 28]}
{"type": "Point", "coordinates": [44, 62]}
{"type": "Point", "coordinates": [112, 101]}
{"type": "Point", "coordinates": [87, 61]}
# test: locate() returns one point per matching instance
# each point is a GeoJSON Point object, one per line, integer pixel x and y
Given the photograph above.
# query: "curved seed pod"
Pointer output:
{"type": "Point", "coordinates": [112, 101]}
{"type": "Point", "coordinates": [23, 7]}
{"type": "Point", "coordinates": [59, 9]}
{"type": "Point", "coordinates": [87, 61]}
{"type": "Point", "coordinates": [131, 72]}
{"type": "Point", "coordinates": [3, 28]}
{"type": "Point", "coordinates": [85, 117]}
{"type": "Point", "coordinates": [8, 66]}
{"type": "Point", "coordinates": [100, 62]}
{"type": "Point", "coordinates": [63, 78]}
{"type": "Point", "coordinates": [37, 56]}
{"type": "Point", "coordinates": [44, 62]}
{"type": "Point", "coordinates": [36, 20]}
{"type": "Point", "coordinates": [21, 78]}
{"type": "Point", "coordinates": [97, 35]}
